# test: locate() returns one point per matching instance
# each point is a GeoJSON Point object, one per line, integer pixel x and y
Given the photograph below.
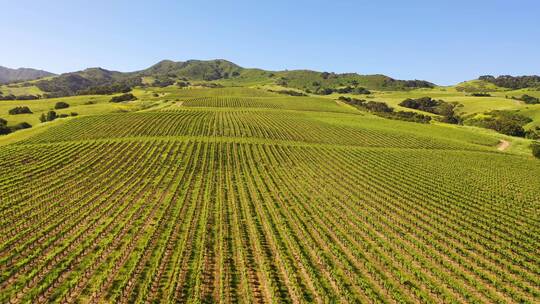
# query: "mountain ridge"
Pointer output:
{"type": "Point", "coordinates": [8, 75]}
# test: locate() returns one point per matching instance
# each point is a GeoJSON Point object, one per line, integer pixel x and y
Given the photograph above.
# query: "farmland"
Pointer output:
{"type": "Point", "coordinates": [239, 195]}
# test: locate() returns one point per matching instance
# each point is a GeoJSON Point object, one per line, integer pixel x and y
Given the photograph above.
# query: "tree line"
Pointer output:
{"type": "Point", "coordinates": [513, 82]}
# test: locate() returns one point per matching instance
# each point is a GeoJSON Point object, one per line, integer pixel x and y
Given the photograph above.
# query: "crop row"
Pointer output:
{"type": "Point", "coordinates": [262, 125]}
{"type": "Point", "coordinates": [286, 103]}
{"type": "Point", "coordinates": [167, 220]}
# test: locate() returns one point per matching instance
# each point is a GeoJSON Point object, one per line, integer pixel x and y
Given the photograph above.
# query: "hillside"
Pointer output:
{"type": "Point", "coordinates": [21, 74]}
{"type": "Point", "coordinates": [166, 72]}
{"type": "Point", "coordinates": [244, 195]}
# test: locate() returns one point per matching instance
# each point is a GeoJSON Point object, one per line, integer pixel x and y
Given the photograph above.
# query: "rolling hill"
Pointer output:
{"type": "Point", "coordinates": [98, 80]}
{"type": "Point", "coordinates": [21, 74]}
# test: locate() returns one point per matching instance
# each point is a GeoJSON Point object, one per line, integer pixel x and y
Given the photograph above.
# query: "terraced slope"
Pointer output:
{"type": "Point", "coordinates": [238, 204]}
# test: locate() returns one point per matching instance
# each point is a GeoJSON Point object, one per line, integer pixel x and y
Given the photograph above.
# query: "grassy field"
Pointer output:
{"type": "Point", "coordinates": [242, 195]}
{"type": "Point", "coordinates": [499, 100]}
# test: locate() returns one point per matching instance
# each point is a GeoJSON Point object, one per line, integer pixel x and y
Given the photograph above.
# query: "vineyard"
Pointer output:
{"type": "Point", "coordinates": [248, 197]}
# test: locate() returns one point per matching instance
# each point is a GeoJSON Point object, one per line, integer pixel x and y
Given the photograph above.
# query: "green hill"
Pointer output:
{"type": "Point", "coordinates": [218, 72]}
{"type": "Point", "coordinates": [312, 81]}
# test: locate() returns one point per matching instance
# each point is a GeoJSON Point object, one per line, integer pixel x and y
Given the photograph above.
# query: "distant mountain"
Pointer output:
{"type": "Point", "coordinates": [167, 72]}
{"type": "Point", "coordinates": [21, 74]}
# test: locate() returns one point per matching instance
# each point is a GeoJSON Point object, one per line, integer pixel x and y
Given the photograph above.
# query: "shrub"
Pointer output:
{"type": "Point", "coordinates": [182, 84]}
{"type": "Point", "coordinates": [505, 122]}
{"type": "Point", "coordinates": [61, 105]}
{"type": "Point", "coordinates": [535, 146]}
{"type": "Point", "coordinates": [529, 99]}
{"type": "Point", "coordinates": [74, 114]}
{"type": "Point", "coordinates": [383, 110]}
{"type": "Point", "coordinates": [3, 122]}
{"type": "Point", "coordinates": [20, 110]}
{"type": "Point", "coordinates": [123, 97]}
{"type": "Point", "coordinates": [288, 92]}
{"type": "Point", "coordinates": [49, 116]}
{"type": "Point", "coordinates": [533, 133]}
{"type": "Point", "coordinates": [4, 130]}
{"type": "Point", "coordinates": [163, 82]}
{"type": "Point", "coordinates": [20, 126]}
{"type": "Point", "coordinates": [477, 94]}
{"type": "Point", "coordinates": [439, 107]}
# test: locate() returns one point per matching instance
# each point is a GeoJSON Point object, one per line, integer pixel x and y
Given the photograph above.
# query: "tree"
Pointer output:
{"type": "Point", "coordinates": [49, 116]}
{"type": "Point", "coordinates": [536, 149]}
{"type": "Point", "coordinates": [61, 105]}
{"type": "Point", "coordinates": [123, 97]}
{"type": "Point", "coordinates": [21, 125]}
{"type": "Point", "coordinates": [20, 110]}
{"type": "Point", "coordinates": [4, 130]}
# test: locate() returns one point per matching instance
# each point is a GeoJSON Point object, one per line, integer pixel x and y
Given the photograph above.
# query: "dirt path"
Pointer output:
{"type": "Point", "coordinates": [503, 145]}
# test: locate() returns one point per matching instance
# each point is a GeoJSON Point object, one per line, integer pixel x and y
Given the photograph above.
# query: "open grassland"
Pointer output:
{"type": "Point", "coordinates": [239, 195]}
{"type": "Point", "coordinates": [20, 90]}
{"type": "Point", "coordinates": [499, 100]}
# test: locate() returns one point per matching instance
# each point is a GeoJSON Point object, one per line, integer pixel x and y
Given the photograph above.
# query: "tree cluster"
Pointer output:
{"type": "Point", "coordinates": [163, 82]}
{"type": "Point", "coordinates": [383, 110]}
{"type": "Point", "coordinates": [511, 82]}
{"type": "Point", "coordinates": [123, 97]}
{"type": "Point", "coordinates": [4, 129]}
{"type": "Point", "coordinates": [20, 110]}
{"type": "Point", "coordinates": [505, 122]}
{"type": "Point", "coordinates": [49, 116]}
{"type": "Point", "coordinates": [535, 146]}
{"type": "Point", "coordinates": [19, 97]}
{"type": "Point", "coordinates": [528, 99]}
{"type": "Point", "coordinates": [61, 105]}
{"type": "Point", "coordinates": [345, 90]}
{"type": "Point", "coordinates": [288, 92]}
{"type": "Point", "coordinates": [480, 94]}
{"type": "Point", "coordinates": [439, 107]}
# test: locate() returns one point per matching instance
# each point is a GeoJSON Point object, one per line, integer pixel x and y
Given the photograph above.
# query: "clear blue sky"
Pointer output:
{"type": "Point", "coordinates": [441, 41]}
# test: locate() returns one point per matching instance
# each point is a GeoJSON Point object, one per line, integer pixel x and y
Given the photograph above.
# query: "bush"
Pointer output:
{"type": "Point", "coordinates": [123, 97]}
{"type": "Point", "coordinates": [3, 122]}
{"type": "Point", "coordinates": [163, 82]}
{"type": "Point", "coordinates": [505, 122]}
{"type": "Point", "coordinates": [383, 110]}
{"type": "Point", "coordinates": [535, 146]}
{"type": "Point", "coordinates": [20, 126]}
{"type": "Point", "coordinates": [439, 107]}
{"type": "Point", "coordinates": [477, 94]}
{"type": "Point", "coordinates": [288, 92]}
{"type": "Point", "coordinates": [182, 84]}
{"type": "Point", "coordinates": [74, 114]}
{"type": "Point", "coordinates": [61, 105]}
{"type": "Point", "coordinates": [533, 133]}
{"type": "Point", "coordinates": [4, 130]}
{"type": "Point", "coordinates": [50, 116]}
{"type": "Point", "coordinates": [528, 99]}
{"type": "Point", "coordinates": [20, 110]}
